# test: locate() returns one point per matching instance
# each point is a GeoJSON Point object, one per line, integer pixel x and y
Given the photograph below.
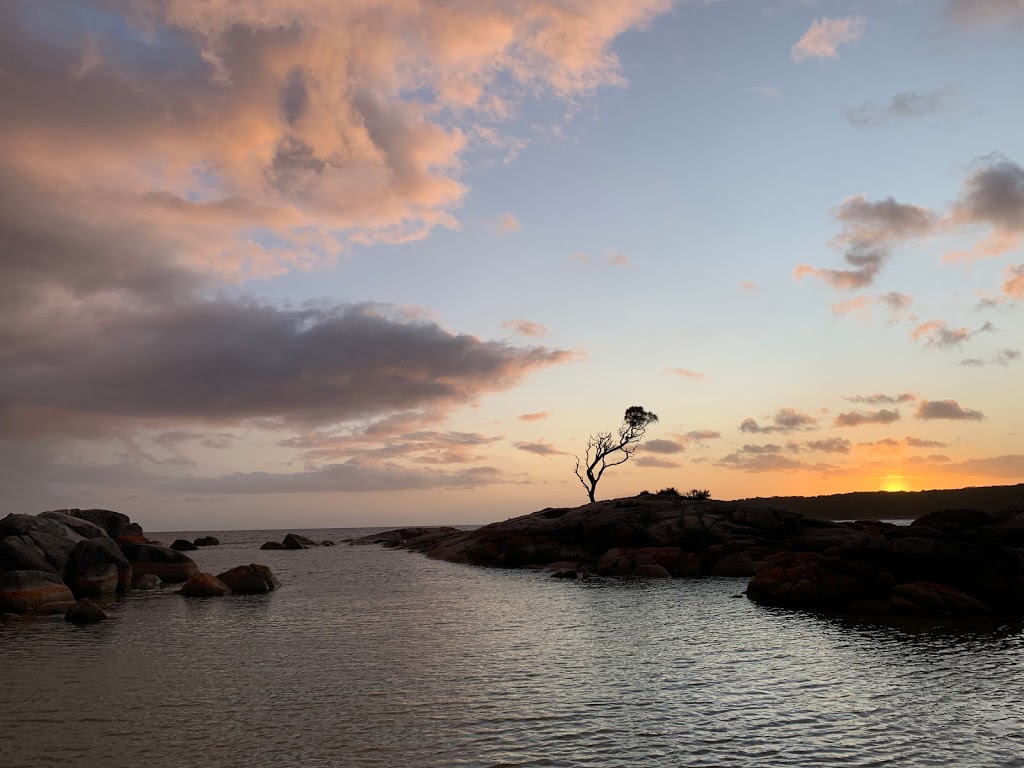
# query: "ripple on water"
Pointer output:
{"type": "Point", "coordinates": [378, 658]}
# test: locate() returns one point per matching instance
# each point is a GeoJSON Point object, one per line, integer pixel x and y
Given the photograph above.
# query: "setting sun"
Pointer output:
{"type": "Point", "coordinates": [894, 482]}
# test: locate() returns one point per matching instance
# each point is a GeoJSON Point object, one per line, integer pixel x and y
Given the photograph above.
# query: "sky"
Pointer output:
{"type": "Point", "coordinates": [310, 263]}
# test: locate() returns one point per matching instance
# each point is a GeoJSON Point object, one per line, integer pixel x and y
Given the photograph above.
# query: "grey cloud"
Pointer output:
{"type": "Point", "coordinates": [870, 231]}
{"type": "Point", "coordinates": [859, 418]}
{"type": "Point", "coordinates": [917, 442]}
{"type": "Point", "coordinates": [652, 463]}
{"type": "Point", "coordinates": [902, 106]}
{"type": "Point", "coordinates": [761, 449]}
{"type": "Point", "coordinates": [767, 462]}
{"type": "Point", "coordinates": [938, 334]}
{"type": "Point", "coordinates": [970, 12]}
{"type": "Point", "coordinates": [880, 399]}
{"type": "Point", "coordinates": [784, 420]}
{"type": "Point", "coordinates": [946, 409]}
{"type": "Point", "coordinates": [539, 448]}
{"type": "Point", "coordinates": [831, 445]}
{"type": "Point", "coordinates": [1003, 357]}
{"type": "Point", "coordinates": [698, 435]}
{"type": "Point", "coordinates": [994, 194]}
{"type": "Point", "coordinates": [229, 361]}
{"type": "Point", "coordinates": [662, 446]}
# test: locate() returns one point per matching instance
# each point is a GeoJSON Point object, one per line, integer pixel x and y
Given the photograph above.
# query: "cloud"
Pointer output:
{"type": "Point", "coordinates": [784, 420]}
{"type": "Point", "coordinates": [767, 462]}
{"type": "Point", "coordinates": [902, 106]}
{"type": "Point", "coordinates": [652, 463]}
{"type": "Point", "coordinates": [618, 259]}
{"type": "Point", "coordinates": [749, 286]}
{"type": "Point", "coordinates": [348, 477]}
{"type": "Point", "coordinates": [540, 449]}
{"type": "Point", "coordinates": [526, 328]}
{"type": "Point", "coordinates": [823, 38]}
{"type": "Point", "coordinates": [699, 435]}
{"type": "Point", "coordinates": [1010, 467]}
{"type": "Point", "coordinates": [971, 12]}
{"type": "Point", "coordinates": [937, 333]}
{"type": "Point", "coordinates": [946, 409]}
{"type": "Point", "coordinates": [766, 92]}
{"type": "Point", "coordinates": [507, 223]}
{"type": "Point", "coordinates": [387, 442]}
{"type": "Point", "coordinates": [663, 446]}
{"type": "Point", "coordinates": [831, 445]}
{"type": "Point", "coordinates": [917, 442]}
{"type": "Point", "coordinates": [870, 231]}
{"type": "Point", "coordinates": [1003, 357]}
{"type": "Point", "coordinates": [1014, 285]}
{"type": "Point", "coordinates": [326, 123]}
{"type": "Point", "coordinates": [229, 362]}
{"type": "Point", "coordinates": [538, 416]}
{"type": "Point", "coordinates": [859, 418]}
{"type": "Point", "coordinates": [880, 399]}
{"type": "Point", "coordinates": [685, 373]}
{"type": "Point", "coordinates": [994, 196]}
{"type": "Point", "coordinates": [761, 449]}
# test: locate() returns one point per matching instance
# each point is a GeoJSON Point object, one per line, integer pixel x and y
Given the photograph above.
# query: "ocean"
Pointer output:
{"type": "Point", "coordinates": [369, 657]}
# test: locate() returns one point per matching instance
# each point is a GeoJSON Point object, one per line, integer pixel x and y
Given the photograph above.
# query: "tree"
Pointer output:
{"type": "Point", "coordinates": [604, 444]}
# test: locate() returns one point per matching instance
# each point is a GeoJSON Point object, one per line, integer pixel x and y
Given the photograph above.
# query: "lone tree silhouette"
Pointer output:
{"type": "Point", "coordinates": [604, 444]}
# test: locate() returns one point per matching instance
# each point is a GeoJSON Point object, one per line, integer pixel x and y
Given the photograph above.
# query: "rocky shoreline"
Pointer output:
{"type": "Point", "coordinates": [60, 561]}
{"type": "Point", "coordinates": [950, 562]}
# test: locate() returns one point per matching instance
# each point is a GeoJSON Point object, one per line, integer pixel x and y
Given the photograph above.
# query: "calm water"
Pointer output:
{"type": "Point", "coordinates": [374, 657]}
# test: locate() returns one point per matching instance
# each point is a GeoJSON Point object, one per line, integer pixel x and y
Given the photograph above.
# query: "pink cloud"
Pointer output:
{"type": "Point", "coordinates": [538, 416]}
{"type": "Point", "coordinates": [824, 36]}
{"type": "Point", "coordinates": [685, 373]}
{"type": "Point", "coordinates": [526, 328]}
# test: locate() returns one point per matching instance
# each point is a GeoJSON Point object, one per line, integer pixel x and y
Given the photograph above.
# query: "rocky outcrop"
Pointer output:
{"type": "Point", "coordinates": [948, 562]}
{"type": "Point", "coordinates": [33, 592]}
{"type": "Point", "coordinates": [204, 585]}
{"type": "Point", "coordinates": [98, 567]}
{"type": "Point", "coordinates": [207, 541]}
{"type": "Point", "coordinates": [164, 562]}
{"type": "Point", "coordinates": [33, 543]}
{"type": "Point", "coordinates": [252, 579]}
{"type": "Point", "coordinates": [183, 545]}
{"type": "Point", "coordinates": [82, 527]}
{"type": "Point", "coordinates": [114, 523]}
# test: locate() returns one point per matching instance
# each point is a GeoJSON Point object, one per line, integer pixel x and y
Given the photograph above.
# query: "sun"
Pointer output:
{"type": "Point", "coordinates": [894, 482]}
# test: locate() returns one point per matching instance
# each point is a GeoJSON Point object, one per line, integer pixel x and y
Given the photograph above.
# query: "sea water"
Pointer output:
{"type": "Point", "coordinates": [374, 657]}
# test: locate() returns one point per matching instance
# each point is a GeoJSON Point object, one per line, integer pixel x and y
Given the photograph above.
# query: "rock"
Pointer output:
{"type": "Point", "coordinates": [295, 541]}
{"type": "Point", "coordinates": [273, 545]}
{"type": "Point", "coordinates": [962, 518]}
{"type": "Point", "coordinates": [250, 579]}
{"type": "Point", "coordinates": [82, 527]}
{"type": "Point", "coordinates": [566, 574]}
{"type": "Point", "coordinates": [654, 571]}
{"type": "Point", "coordinates": [326, 543]}
{"type": "Point", "coordinates": [84, 611]}
{"type": "Point", "coordinates": [934, 599]}
{"type": "Point", "coordinates": [204, 585]}
{"type": "Point", "coordinates": [88, 572]}
{"type": "Point", "coordinates": [33, 592]}
{"type": "Point", "coordinates": [94, 581]}
{"type": "Point", "coordinates": [206, 541]}
{"type": "Point", "coordinates": [183, 545]}
{"type": "Point", "coordinates": [34, 543]}
{"type": "Point", "coordinates": [146, 581]}
{"type": "Point", "coordinates": [736, 564]}
{"type": "Point", "coordinates": [114, 523]}
{"type": "Point", "coordinates": [164, 562]}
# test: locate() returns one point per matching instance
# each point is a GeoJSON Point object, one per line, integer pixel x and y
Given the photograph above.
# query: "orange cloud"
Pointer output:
{"type": "Point", "coordinates": [538, 416]}
{"type": "Point", "coordinates": [685, 373]}
{"type": "Point", "coordinates": [526, 328]}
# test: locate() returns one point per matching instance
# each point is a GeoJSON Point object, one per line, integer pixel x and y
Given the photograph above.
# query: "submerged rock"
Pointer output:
{"type": "Point", "coordinates": [252, 579]}
{"type": "Point", "coordinates": [295, 541]}
{"type": "Point", "coordinates": [146, 581]}
{"type": "Point", "coordinates": [204, 585]}
{"type": "Point", "coordinates": [273, 545]}
{"type": "Point", "coordinates": [84, 611]}
{"type": "Point", "coordinates": [206, 541]}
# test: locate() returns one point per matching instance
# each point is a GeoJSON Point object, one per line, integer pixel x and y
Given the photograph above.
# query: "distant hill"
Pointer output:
{"type": "Point", "coordinates": [877, 505]}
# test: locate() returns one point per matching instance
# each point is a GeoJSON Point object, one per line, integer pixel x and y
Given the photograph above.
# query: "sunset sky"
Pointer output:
{"type": "Point", "coordinates": [295, 263]}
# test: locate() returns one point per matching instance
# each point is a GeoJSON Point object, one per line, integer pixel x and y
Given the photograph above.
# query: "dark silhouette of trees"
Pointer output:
{"type": "Point", "coordinates": [604, 445]}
